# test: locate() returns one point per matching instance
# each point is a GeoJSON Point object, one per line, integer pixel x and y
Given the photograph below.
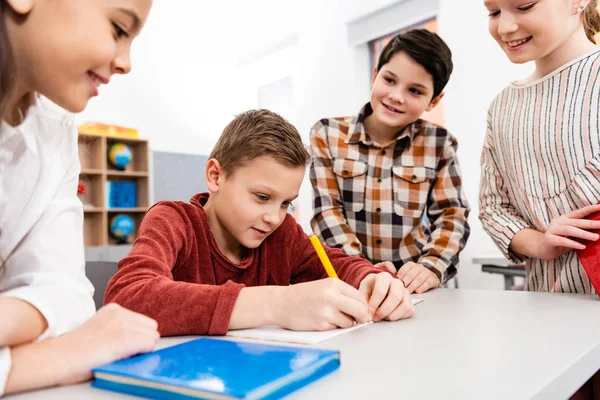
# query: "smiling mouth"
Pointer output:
{"type": "Point", "coordinates": [517, 43]}
{"type": "Point", "coordinates": [98, 80]}
{"type": "Point", "coordinates": [392, 109]}
{"type": "Point", "coordinates": [261, 232]}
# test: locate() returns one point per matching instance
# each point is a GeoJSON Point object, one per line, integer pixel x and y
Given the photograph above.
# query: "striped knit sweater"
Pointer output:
{"type": "Point", "coordinates": [541, 159]}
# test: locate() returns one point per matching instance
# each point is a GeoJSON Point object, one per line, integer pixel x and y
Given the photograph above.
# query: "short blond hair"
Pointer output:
{"type": "Point", "coordinates": [257, 133]}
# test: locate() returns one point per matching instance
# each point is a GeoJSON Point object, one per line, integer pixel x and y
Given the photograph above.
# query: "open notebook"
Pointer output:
{"type": "Point", "coordinates": [277, 334]}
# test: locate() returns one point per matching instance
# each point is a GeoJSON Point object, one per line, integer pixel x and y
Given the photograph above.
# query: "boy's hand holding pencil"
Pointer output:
{"type": "Point", "coordinates": [386, 295]}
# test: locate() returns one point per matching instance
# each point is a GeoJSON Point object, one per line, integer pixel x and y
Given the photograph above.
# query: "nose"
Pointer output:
{"type": "Point", "coordinates": [273, 216]}
{"type": "Point", "coordinates": [396, 97]}
{"type": "Point", "coordinates": [507, 24]}
{"type": "Point", "coordinates": [121, 64]}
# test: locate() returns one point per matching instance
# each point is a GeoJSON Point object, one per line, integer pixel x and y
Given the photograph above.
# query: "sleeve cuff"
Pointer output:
{"type": "Point", "coordinates": [504, 242]}
{"type": "Point", "coordinates": [5, 364]}
{"type": "Point", "coordinates": [42, 307]}
{"type": "Point", "coordinates": [502, 229]}
{"type": "Point", "coordinates": [62, 313]}
{"type": "Point", "coordinates": [222, 313]}
{"type": "Point", "coordinates": [435, 265]}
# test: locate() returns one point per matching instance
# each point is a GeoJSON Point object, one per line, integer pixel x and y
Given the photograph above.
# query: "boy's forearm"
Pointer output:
{"type": "Point", "coordinates": [527, 242]}
{"type": "Point", "coordinates": [257, 306]}
{"type": "Point", "coordinates": [448, 237]}
{"type": "Point", "coordinates": [21, 322]}
{"type": "Point", "coordinates": [38, 365]}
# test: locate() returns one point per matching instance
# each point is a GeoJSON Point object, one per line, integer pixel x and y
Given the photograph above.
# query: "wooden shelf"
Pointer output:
{"type": "Point", "coordinates": [92, 209]}
{"type": "Point", "coordinates": [126, 174]}
{"type": "Point", "coordinates": [124, 139]}
{"type": "Point", "coordinates": [97, 172]}
{"type": "Point", "coordinates": [91, 171]}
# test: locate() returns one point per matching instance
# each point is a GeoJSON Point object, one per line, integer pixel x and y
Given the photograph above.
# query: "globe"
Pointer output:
{"type": "Point", "coordinates": [121, 226]}
{"type": "Point", "coordinates": [119, 155]}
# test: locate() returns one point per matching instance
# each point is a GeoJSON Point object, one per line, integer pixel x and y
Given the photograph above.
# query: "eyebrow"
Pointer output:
{"type": "Point", "coordinates": [134, 17]}
{"type": "Point", "coordinates": [419, 85]}
{"type": "Point", "coordinates": [272, 192]}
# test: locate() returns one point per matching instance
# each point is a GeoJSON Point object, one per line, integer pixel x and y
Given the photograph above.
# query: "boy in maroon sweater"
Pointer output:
{"type": "Point", "coordinates": [235, 258]}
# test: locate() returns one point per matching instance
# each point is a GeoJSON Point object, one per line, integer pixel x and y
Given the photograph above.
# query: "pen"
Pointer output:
{"type": "Point", "coordinates": [314, 239]}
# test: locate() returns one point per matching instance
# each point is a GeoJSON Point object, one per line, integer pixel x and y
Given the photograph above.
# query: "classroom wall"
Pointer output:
{"type": "Point", "coordinates": [194, 70]}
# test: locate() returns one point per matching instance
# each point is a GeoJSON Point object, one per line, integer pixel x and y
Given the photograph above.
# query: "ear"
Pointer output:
{"type": "Point", "coordinates": [374, 76]}
{"type": "Point", "coordinates": [22, 7]}
{"type": "Point", "coordinates": [214, 175]}
{"type": "Point", "coordinates": [435, 101]}
{"type": "Point", "coordinates": [579, 6]}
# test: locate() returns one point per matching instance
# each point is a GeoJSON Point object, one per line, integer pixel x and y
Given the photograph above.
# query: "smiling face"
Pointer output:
{"type": "Point", "coordinates": [529, 30]}
{"type": "Point", "coordinates": [246, 206]}
{"type": "Point", "coordinates": [66, 49]}
{"type": "Point", "coordinates": [402, 91]}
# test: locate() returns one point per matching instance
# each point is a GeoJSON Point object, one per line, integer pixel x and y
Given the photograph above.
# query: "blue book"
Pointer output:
{"type": "Point", "coordinates": [217, 369]}
{"type": "Point", "coordinates": [121, 194]}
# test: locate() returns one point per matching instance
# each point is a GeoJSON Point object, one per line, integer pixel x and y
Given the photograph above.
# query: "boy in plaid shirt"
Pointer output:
{"type": "Point", "coordinates": [387, 184]}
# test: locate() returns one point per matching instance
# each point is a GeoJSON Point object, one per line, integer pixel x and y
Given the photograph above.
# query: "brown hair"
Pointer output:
{"type": "Point", "coordinates": [257, 133]}
{"type": "Point", "coordinates": [425, 48]}
{"type": "Point", "coordinates": [7, 66]}
{"type": "Point", "coordinates": [591, 20]}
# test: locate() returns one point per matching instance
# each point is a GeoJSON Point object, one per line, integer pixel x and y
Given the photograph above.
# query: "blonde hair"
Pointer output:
{"type": "Point", "coordinates": [591, 20]}
{"type": "Point", "coordinates": [257, 133]}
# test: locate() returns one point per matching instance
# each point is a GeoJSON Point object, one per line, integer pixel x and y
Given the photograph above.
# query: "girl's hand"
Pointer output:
{"type": "Point", "coordinates": [111, 334]}
{"type": "Point", "coordinates": [563, 232]}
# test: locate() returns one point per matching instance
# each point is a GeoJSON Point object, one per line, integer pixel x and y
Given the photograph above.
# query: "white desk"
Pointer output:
{"type": "Point", "coordinates": [461, 344]}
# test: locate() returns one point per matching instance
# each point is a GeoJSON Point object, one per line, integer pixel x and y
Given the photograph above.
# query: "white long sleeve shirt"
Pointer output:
{"type": "Point", "coordinates": [41, 222]}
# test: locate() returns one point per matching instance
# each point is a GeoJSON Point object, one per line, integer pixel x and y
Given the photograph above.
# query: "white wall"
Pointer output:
{"type": "Point", "coordinates": [481, 70]}
{"type": "Point", "coordinates": [195, 67]}
{"type": "Point", "coordinates": [184, 86]}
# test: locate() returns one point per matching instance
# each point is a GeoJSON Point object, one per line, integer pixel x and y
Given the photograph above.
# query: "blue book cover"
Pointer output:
{"type": "Point", "coordinates": [217, 369]}
{"type": "Point", "coordinates": [121, 194]}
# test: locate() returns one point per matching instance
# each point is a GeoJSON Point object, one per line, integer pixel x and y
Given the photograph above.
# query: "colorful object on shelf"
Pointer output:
{"type": "Point", "coordinates": [119, 155]}
{"type": "Point", "coordinates": [108, 130]}
{"type": "Point", "coordinates": [121, 226]}
{"type": "Point", "coordinates": [121, 194]}
{"type": "Point", "coordinates": [81, 191]}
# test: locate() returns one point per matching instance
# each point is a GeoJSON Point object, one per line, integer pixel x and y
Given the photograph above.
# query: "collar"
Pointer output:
{"type": "Point", "coordinates": [357, 133]}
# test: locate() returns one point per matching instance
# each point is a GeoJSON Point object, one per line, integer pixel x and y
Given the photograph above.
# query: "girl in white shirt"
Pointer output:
{"type": "Point", "coordinates": [62, 50]}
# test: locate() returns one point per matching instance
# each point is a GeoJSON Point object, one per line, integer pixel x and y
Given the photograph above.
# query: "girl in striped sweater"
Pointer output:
{"type": "Point", "coordinates": [541, 157]}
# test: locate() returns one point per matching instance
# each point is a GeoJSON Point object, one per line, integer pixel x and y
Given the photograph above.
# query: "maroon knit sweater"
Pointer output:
{"type": "Point", "coordinates": [177, 275]}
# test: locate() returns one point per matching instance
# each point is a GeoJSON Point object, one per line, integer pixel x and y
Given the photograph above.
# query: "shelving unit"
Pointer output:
{"type": "Point", "coordinates": [96, 171]}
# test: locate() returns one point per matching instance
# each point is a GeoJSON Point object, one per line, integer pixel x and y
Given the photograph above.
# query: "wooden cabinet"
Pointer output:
{"type": "Point", "coordinates": [97, 175]}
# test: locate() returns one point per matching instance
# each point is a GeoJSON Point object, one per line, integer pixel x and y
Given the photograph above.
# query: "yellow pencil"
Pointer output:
{"type": "Point", "coordinates": [322, 256]}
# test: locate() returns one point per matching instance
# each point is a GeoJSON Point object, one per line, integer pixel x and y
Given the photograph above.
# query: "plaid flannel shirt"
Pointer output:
{"type": "Point", "coordinates": [400, 203]}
